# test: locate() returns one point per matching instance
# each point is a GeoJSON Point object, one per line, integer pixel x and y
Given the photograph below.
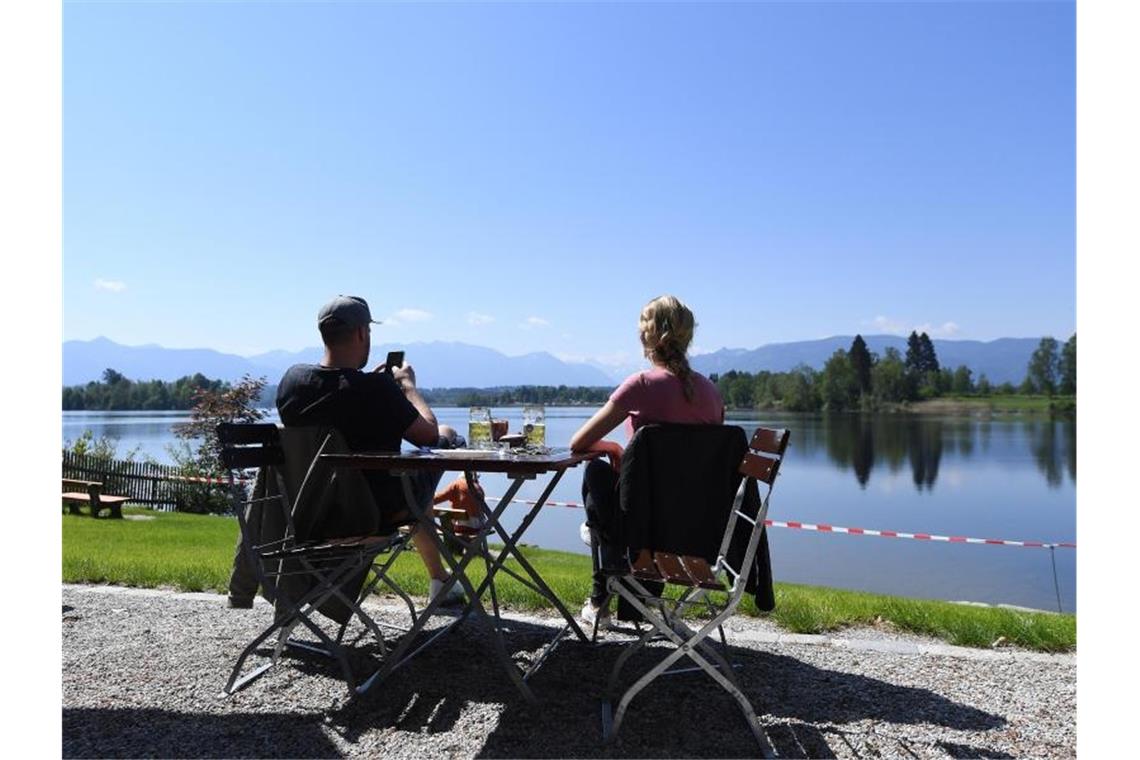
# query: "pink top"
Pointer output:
{"type": "Point", "coordinates": [656, 395]}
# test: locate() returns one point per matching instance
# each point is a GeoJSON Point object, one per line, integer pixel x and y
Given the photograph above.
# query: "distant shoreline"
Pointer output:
{"type": "Point", "coordinates": [989, 406]}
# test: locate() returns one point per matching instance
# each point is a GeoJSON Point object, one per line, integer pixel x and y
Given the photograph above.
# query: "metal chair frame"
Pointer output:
{"type": "Point", "coordinates": [329, 563]}
{"type": "Point", "coordinates": [666, 616]}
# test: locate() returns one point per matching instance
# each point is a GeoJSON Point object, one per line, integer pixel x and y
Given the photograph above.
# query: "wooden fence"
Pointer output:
{"type": "Point", "coordinates": [157, 486]}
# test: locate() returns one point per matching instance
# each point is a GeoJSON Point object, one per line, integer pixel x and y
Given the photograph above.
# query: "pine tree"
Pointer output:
{"type": "Point", "coordinates": [861, 363]}
{"type": "Point", "coordinates": [1068, 367]}
{"type": "Point", "coordinates": [926, 353]}
{"type": "Point", "coordinates": [914, 354]}
{"type": "Point", "coordinates": [1043, 365]}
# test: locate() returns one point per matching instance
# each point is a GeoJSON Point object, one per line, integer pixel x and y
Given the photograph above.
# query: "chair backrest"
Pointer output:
{"type": "Point", "coordinates": [760, 464]}
{"type": "Point", "coordinates": [326, 504]}
{"type": "Point", "coordinates": [677, 486]}
{"type": "Point", "coordinates": [249, 445]}
{"type": "Point", "coordinates": [766, 451]}
{"type": "Point", "coordinates": [684, 491]}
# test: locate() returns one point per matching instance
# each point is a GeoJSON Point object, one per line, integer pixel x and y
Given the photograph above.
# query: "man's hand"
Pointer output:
{"type": "Point", "coordinates": [404, 376]}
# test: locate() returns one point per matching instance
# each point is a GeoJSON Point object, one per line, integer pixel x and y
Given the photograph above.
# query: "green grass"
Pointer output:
{"type": "Point", "coordinates": [1016, 403]}
{"type": "Point", "coordinates": [194, 553]}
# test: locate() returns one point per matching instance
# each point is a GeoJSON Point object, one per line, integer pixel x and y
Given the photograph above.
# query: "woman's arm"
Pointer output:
{"type": "Point", "coordinates": [597, 427]}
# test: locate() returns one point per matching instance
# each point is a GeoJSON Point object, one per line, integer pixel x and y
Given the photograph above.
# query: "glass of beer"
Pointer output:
{"type": "Point", "coordinates": [479, 428]}
{"type": "Point", "coordinates": [534, 424]}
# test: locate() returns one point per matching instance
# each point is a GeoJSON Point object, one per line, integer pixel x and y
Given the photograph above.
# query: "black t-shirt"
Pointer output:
{"type": "Point", "coordinates": [368, 408]}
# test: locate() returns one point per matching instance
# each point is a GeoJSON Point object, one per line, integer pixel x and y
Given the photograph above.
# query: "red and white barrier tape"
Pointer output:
{"type": "Point", "coordinates": [207, 481]}
{"type": "Point", "coordinates": [824, 528]}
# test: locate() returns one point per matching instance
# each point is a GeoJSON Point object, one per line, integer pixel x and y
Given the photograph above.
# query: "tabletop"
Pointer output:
{"type": "Point", "coordinates": [457, 460]}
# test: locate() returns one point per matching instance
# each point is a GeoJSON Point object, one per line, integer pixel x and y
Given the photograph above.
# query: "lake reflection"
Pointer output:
{"type": "Point", "coordinates": [863, 444]}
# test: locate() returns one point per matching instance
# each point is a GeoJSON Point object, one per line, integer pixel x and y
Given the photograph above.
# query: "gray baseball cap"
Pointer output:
{"type": "Point", "coordinates": [350, 311]}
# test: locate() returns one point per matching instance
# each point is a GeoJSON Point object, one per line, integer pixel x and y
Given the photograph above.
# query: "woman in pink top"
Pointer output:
{"type": "Point", "coordinates": [667, 392]}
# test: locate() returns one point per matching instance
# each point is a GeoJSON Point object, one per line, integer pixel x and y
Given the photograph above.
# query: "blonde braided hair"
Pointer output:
{"type": "Point", "coordinates": [666, 330]}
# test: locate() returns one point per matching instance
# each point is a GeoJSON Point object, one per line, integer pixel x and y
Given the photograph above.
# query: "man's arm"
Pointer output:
{"type": "Point", "coordinates": [424, 430]}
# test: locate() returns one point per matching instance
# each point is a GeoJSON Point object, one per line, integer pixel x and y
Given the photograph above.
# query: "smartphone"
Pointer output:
{"type": "Point", "coordinates": [395, 359]}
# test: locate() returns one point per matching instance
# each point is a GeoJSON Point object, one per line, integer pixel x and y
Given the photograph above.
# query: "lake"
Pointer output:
{"type": "Point", "coordinates": [985, 478]}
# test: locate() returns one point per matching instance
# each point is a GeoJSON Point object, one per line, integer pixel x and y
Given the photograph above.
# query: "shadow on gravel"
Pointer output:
{"type": "Point", "coordinates": [677, 716]}
{"type": "Point", "coordinates": [689, 716]}
{"type": "Point", "coordinates": [965, 751]}
{"type": "Point", "coordinates": [162, 733]}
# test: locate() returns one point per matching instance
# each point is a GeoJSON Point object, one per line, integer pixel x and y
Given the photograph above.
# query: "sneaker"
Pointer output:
{"type": "Point", "coordinates": [453, 596]}
{"type": "Point", "coordinates": [592, 615]}
{"type": "Point", "coordinates": [238, 603]}
{"type": "Point", "coordinates": [585, 534]}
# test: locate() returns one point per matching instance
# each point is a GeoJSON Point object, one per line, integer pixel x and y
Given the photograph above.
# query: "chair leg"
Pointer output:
{"type": "Point", "coordinates": [688, 643]}
{"type": "Point", "coordinates": [623, 658]}
{"type": "Point", "coordinates": [234, 684]}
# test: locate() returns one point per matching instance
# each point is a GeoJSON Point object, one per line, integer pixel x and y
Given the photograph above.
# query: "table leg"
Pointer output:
{"type": "Point", "coordinates": [510, 549]}
{"type": "Point", "coordinates": [457, 575]}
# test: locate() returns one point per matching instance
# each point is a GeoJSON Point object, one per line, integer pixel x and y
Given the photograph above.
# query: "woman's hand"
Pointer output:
{"type": "Point", "coordinates": [612, 450]}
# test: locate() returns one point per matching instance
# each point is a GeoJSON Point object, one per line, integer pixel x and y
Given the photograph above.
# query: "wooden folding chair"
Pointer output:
{"type": "Point", "coordinates": [728, 575]}
{"type": "Point", "coordinates": [303, 574]}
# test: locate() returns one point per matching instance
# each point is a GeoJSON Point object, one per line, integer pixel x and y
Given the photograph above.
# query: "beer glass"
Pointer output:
{"type": "Point", "coordinates": [479, 428]}
{"type": "Point", "coordinates": [534, 424]}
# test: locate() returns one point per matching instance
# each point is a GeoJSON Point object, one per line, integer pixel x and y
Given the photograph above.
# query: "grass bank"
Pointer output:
{"type": "Point", "coordinates": [194, 552]}
{"type": "Point", "coordinates": [990, 405]}
{"type": "Point", "coordinates": [966, 406]}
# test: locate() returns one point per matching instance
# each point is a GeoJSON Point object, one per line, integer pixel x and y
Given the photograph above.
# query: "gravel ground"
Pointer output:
{"type": "Point", "coordinates": [143, 673]}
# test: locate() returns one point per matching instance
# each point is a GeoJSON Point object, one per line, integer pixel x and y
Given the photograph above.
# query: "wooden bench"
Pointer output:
{"type": "Point", "coordinates": [77, 492]}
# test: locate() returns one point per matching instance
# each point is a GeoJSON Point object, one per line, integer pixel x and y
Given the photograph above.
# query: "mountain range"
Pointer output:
{"type": "Point", "coordinates": [438, 364]}
{"type": "Point", "coordinates": [441, 364]}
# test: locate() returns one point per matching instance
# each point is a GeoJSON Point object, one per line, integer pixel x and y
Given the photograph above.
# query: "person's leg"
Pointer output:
{"type": "Point", "coordinates": [599, 494]}
{"type": "Point", "coordinates": [424, 486]}
{"type": "Point", "coordinates": [429, 554]}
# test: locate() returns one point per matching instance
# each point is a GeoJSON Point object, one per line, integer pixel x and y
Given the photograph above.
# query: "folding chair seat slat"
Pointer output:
{"type": "Point", "coordinates": [672, 569]}
{"type": "Point", "coordinates": [644, 567]}
{"type": "Point", "coordinates": [769, 441]}
{"type": "Point", "coordinates": [249, 434]}
{"type": "Point", "coordinates": [760, 467]}
{"type": "Point", "coordinates": [702, 573]}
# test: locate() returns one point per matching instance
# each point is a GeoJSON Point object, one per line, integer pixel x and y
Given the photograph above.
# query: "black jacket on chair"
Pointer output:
{"type": "Point", "coordinates": [677, 487]}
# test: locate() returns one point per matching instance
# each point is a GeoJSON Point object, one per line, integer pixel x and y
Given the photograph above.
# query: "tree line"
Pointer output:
{"type": "Point", "coordinates": [857, 379]}
{"type": "Point", "coordinates": [118, 393]}
{"type": "Point", "coordinates": [562, 395]}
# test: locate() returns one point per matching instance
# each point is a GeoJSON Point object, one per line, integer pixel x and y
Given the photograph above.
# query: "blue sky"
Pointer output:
{"type": "Point", "coordinates": [525, 177]}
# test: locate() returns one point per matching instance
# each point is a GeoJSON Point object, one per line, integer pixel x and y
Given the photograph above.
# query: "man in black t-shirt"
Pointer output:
{"type": "Point", "coordinates": [374, 411]}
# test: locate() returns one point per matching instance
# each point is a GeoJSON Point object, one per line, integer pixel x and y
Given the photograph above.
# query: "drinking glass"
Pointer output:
{"type": "Point", "coordinates": [479, 428]}
{"type": "Point", "coordinates": [534, 424]}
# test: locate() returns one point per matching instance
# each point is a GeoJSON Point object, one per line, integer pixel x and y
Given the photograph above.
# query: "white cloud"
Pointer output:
{"type": "Point", "coordinates": [412, 315]}
{"type": "Point", "coordinates": [477, 319]}
{"type": "Point", "coordinates": [887, 325]}
{"type": "Point", "coordinates": [533, 322]}
{"type": "Point", "coordinates": [113, 286]}
{"type": "Point", "coordinates": [895, 327]}
{"type": "Point", "coordinates": [945, 330]}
